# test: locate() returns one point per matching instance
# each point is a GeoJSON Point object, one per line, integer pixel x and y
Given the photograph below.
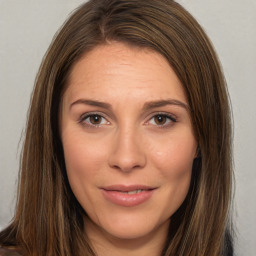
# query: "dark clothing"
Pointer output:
{"type": "Point", "coordinates": [9, 252]}
{"type": "Point", "coordinates": [13, 252]}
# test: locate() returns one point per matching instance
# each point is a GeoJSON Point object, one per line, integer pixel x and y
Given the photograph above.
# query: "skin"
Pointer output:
{"type": "Point", "coordinates": [132, 140]}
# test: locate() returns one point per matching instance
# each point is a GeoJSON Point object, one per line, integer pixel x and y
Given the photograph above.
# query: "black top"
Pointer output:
{"type": "Point", "coordinates": [15, 252]}
{"type": "Point", "coordinates": [9, 252]}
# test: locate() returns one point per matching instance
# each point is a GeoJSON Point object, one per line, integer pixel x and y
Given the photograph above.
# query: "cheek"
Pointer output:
{"type": "Point", "coordinates": [174, 159]}
{"type": "Point", "coordinates": [174, 155]}
{"type": "Point", "coordinates": [83, 161]}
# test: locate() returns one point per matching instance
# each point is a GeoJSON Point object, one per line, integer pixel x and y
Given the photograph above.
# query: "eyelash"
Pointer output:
{"type": "Point", "coordinates": [91, 114]}
{"type": "Point", "coordinates": [167, 116]}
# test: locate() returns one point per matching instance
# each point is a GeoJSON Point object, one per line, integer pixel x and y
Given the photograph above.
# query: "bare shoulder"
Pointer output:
{"type": "Point", "coordinates": [9, 252]}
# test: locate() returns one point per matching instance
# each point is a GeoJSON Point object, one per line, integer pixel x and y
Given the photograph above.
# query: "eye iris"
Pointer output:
{"type": "Point", "coordinates": [160, 119]}
{"type": "Point", "coordinates": [95, 119]}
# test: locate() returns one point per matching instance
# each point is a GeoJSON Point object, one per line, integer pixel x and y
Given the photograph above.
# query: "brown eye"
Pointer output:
{"type": "Point", "coordinates": [160, 119]}
{"type": "Point", "coordinates": [95, 119]}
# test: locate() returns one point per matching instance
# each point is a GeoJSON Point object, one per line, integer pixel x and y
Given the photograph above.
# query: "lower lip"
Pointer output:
{"type": "Point", "coordinates": [127, 200]}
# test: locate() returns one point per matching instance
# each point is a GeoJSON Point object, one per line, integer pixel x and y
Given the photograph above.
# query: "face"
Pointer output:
{"type": "Point", "coordinates": [128, 140]}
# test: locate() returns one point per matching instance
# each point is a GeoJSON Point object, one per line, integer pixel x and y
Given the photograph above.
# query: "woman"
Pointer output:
{"type": "Point", "coordinates": [128, 141]}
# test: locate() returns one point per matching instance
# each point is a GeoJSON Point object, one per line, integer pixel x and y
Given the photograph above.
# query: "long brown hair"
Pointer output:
{"type": "Point", "coordinates": [48, 219]}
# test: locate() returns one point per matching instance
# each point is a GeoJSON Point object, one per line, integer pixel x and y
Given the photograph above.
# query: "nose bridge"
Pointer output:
{"type": "Point", "coordinates": [127, 153]}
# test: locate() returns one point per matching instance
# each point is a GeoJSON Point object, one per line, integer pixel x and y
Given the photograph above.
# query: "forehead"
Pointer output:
{"type": "Point", "coordinates": [116, 69]}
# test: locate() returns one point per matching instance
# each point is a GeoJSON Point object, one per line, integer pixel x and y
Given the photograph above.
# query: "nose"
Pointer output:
{"type": "Point", "coordinates": [128, 151]}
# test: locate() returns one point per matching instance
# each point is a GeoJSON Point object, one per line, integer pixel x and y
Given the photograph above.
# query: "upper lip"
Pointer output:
{"type": "Point", "coordinates": [127, 188]}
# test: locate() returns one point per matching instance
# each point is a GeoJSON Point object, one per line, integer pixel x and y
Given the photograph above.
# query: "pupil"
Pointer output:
{"type": "Point", "coordinates": [95, 119]}
{"type": "Point", "coordinates": [160, 119]}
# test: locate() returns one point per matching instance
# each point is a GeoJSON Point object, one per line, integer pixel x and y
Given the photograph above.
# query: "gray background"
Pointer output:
{"type": "Point", "coordinates": [26, 30]}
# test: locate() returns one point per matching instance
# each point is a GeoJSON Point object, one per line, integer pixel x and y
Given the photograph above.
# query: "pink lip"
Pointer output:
{"type": "Point", "coordinates": [116, 195]}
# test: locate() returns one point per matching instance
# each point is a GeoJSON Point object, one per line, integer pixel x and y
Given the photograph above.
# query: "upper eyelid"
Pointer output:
{"type": "Point", "coordinates": [162, 113]}
{"type": "Point", "coordinates": [108, 115]}
{"type": "Point", "coordinates": [87, 114]}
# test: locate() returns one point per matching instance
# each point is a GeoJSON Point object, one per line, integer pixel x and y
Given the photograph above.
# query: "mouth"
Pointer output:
{"type": "Point", "coordinates": [128, 195]}
{"type": "Point", "coordinates": [128, 189]}
{"type": "Point", "coordinates": [133, 191]}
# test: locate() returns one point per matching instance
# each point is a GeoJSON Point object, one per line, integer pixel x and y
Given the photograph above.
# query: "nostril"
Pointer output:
{"type": "Point", "coordinates": [127, 167]}
{"type": "Point", "coordinates": [127, 154]}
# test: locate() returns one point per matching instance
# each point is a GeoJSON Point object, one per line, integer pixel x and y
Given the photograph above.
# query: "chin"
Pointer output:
{"type": "Point", "coordinates": [131, 225]}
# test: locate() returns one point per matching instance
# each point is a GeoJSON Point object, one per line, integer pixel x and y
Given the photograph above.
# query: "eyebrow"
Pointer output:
{"type": "Point", "coordinates": [147, 106]}
{"type": "Point", "coordinates": [91, 103]}
{"type": "Point", "coordinates": [162, 103]}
